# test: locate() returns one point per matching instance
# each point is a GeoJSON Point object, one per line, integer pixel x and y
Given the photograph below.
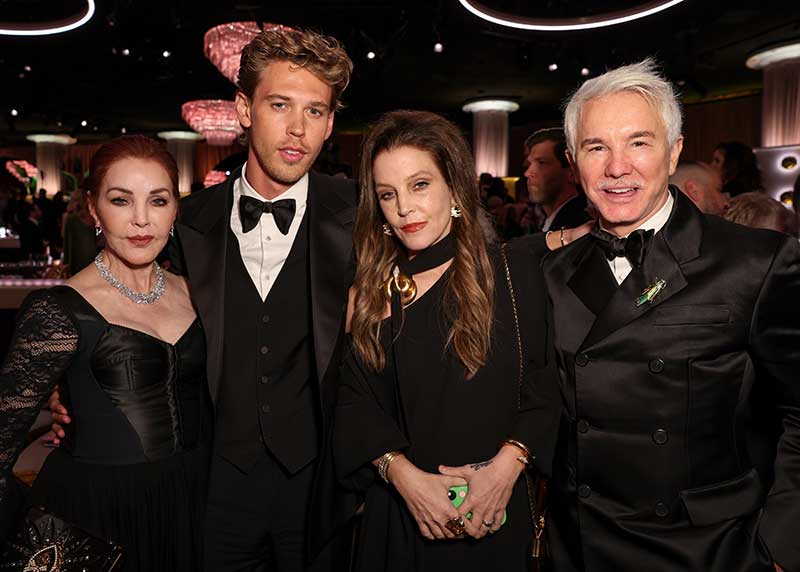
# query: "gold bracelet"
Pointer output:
{"type": "Point", "coordinates": [561, 236]}
{"type": "Point", "coordinates": [524, 459]}
{"type": "Point", "coordinates": [383, 464]}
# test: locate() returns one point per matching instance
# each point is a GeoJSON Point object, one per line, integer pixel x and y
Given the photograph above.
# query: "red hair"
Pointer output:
{"type": "Point", "coordinates": [129, 147]}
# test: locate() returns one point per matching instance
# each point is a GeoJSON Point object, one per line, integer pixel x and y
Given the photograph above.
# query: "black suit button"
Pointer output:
{"type": "Point", "coordinates": [265, 409]}
{"type": "Point", "coordinates": [660, 436]}
{"type": "Point", "coordinates": [265, 379]}
{"type": "Point", "coordinates": [584, 491]}
{"type": "Point", "coordinates": [265, 319]}
{"type": "Point", "coordinates": [583, 426]}
{"type": "Point", "coordinates": [264, 350]}
{"type": "Point", "coordinates": [581, 359]}
{"type": "Point", "coordinates": [662, 509]}
{"type": "Point", "coordinates": [657, 365]}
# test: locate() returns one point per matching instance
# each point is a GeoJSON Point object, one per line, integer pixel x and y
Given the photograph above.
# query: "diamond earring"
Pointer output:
{"type": "Point", "coordinates": [387, 230]}
{"type": "Point", "coordinates": [455, 211]}
{"type": "Point", "coordinates": [97, 230]}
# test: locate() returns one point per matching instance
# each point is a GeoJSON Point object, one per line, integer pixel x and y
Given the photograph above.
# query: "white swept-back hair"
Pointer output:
{"type": "Point", "coordinates": [643, 78]}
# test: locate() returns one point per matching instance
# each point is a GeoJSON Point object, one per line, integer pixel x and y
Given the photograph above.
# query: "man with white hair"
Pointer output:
{"type": "Point", "coordinates": [679, 358]}
{"type": "Point", "coordinates": [702, 184]}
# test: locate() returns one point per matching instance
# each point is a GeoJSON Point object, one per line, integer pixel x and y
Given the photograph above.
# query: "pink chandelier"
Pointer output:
{"type": "Point", "coordinates": [22, 170]}
{"type": "Point", "coordinates": [214, 119]}
{"type": "Point", "coordinates": [223, 44]}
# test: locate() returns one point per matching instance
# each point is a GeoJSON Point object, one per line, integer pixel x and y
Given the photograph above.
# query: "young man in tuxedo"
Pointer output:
{"type": "Point", "coordinates": [679, 358]}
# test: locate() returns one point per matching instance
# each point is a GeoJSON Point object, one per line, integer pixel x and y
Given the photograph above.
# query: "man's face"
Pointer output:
{"type": "Point", "coordinates": [289, 118]}
{"type": "Point", "coordinates": [711, 200]}
{"type": "Point", "coordinates": [624, 159]}
{"type": "Point", "coordinates": [545, 174]}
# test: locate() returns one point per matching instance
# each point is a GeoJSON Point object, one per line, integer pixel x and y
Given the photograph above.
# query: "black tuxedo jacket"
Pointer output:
{"type": "Point", "coordinates": [572, 214]}
{"type": "Point", "coordinates": [198, 251]}
{"type": "Point", "coordinates": [680, 444]}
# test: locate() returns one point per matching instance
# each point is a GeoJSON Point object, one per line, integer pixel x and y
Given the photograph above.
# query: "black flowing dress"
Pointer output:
{"type": "Point", "coordinates": [422, 403]}
{"type": "Point", "coordinates": [133, 465]}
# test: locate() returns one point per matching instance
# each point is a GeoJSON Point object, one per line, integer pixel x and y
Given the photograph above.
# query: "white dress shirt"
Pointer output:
{"type": "Point", "coordinates": [621, 266]}
{"type": "Point", "coordinates": [265, 248]}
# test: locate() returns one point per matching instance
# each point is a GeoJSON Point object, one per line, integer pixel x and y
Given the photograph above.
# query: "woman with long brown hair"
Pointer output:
{"type": "Point", "coordinates": [432, 410]}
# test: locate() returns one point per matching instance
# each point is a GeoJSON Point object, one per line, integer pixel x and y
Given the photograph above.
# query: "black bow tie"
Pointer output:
{"type": "Point", "coordinates": [634, 247]}
{"type": "Point", "coordinates": [250, 211]}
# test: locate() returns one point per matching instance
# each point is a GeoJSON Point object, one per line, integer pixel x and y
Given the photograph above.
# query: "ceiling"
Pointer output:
{"type": "Point", "coordinates": [82, 75]}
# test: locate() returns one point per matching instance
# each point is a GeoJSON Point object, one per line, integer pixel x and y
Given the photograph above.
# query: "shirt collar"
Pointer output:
{"type": "Point", "coordinates": [298, 191]}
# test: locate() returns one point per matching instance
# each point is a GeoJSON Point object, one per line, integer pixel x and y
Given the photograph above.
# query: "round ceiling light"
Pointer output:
{"type": "Point", "coordinates": [567, 24]}
{"type": "Point", "coordinates": [47, 28]}
{"type": "Point", "coordinates": [490, 104]}
{"type": "Point", "coordinates": [773, 55]}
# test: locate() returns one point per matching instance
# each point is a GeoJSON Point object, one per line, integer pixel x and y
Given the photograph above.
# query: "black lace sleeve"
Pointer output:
{"type": "Point", "coordinates": [44, 343]}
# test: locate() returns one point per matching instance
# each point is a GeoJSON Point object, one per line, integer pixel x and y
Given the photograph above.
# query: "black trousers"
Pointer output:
{"type": "Point", "coordinates": [256, 521]}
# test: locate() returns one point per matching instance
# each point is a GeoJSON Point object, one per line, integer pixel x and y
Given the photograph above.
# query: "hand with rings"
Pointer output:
{"type": "Point", "coordinates": [426, 497]}
{"type": "Point", "coordinates": [490, 485]}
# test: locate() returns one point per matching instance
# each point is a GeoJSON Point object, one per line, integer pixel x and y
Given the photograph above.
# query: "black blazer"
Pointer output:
{"type": "Point", "coordinates": [572, 214]}
{"type": "Point", "coordinates": [198, 251]}
{"type": "Point", "coordinates": [675, 409]}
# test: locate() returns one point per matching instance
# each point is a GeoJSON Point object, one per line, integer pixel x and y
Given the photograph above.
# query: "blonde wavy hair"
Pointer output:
{"type": "Point", "coordinates": [469, 291]}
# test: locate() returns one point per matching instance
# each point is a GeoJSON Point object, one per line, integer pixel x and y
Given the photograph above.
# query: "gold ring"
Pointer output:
{"type": "Point", "coordinates": [456, 526]}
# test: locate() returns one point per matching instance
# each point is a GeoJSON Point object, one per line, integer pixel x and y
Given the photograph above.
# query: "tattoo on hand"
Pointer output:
{"type": "Point", "coordinates": [479, 466]}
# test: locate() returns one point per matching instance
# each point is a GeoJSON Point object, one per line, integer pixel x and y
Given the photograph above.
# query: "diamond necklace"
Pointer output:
{"type": "Point", "coordinates": [132, 295]}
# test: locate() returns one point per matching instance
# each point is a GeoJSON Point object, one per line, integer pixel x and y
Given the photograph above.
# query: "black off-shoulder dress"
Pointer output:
{"type": "Point", "coordinates": [133, 465]}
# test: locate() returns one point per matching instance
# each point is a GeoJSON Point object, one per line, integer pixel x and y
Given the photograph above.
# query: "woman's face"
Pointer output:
{"type": "Point", "coordinates": [413, 196]}
{"type": "Point", "coordinates": [135, 208]}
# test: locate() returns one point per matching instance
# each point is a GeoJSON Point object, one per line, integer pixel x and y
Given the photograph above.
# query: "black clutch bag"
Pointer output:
{"type": "Point", "coordinates": [45, 543]}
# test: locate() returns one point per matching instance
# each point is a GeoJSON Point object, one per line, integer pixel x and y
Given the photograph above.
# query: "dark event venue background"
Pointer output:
{"type": "Point", "coordinates": [84, 74]}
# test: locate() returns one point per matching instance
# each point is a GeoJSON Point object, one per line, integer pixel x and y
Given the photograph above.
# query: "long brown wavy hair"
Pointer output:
{"type": "Point", "coordinates": [469, 292]}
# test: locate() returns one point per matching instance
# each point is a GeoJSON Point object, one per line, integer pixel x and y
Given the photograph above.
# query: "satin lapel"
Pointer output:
{"type": "Point", "coordinates": [203, 236]}
{"type": "Point", "coordinates": [678, 242]}
{"type": "Point", "coordinates": [330, 252]}
{"type": "Point", "coordinates": [592, 282]}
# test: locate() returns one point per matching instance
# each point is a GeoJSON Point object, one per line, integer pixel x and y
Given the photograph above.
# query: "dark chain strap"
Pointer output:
{"type": "Point", "coordinates": [538, 520]}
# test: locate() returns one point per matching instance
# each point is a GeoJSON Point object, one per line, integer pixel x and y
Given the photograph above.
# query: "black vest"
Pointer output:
{"type": "Point", "coordinates": [268, 395]}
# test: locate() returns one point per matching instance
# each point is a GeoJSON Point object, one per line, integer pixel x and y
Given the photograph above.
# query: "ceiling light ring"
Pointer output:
{"type": "Point", "coordinates": [49, 28]}
{"type": "Point", "coordinates": [567, 24]}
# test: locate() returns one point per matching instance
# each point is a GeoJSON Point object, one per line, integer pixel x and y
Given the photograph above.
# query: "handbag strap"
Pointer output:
{"type": "Point", "coordinates": [536, 491]}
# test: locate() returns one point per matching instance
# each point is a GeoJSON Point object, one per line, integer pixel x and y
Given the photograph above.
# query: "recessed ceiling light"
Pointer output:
{"type": "Point", "coordinates": [438, 47]}
{"type": "Point", "coordinates": [54, 27]}
{"type": "Point", "coordinates": [21, 75]}
{"type": "Point", "coordinates": [123, 131]}
{"type": "Point", "coordinates": [126, 52]}
{"type": "Point", "coordinates": [27, 68]}
{"type": "Point", "coordinates": [585, 72]}
{"type": "Point", "coordinates": [566, 24]}
{"type": "Point", "coordinates": [84, 123]}
{"type": "Point", "coordinates": [370, 55]}
{"type": "Point", "coordinates": [553, 67]}
{"type": "Point", "coordinates": [166, 53]}
{"type": "Point", "coordinates": [14, 113]}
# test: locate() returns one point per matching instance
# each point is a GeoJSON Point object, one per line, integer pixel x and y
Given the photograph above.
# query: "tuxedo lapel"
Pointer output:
{"type": "Point", "coordinates": [678, 242]}
{"type": "Point", "coordinates": [203, 234]}
{"type": "Point", "coordinates": [592, 282]}
{"type": "Point", "coordinates": [330, 251]}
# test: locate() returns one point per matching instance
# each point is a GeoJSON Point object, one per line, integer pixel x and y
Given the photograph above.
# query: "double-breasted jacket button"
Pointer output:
{"type": "Point", "coordinates": [583, 426]}
{"type": "Point", "coordinates": [662, 509]}
{"type": "Point", "coordinates": [264, 350]}
{"type": "Point", "coordinates": [660, 436]}
{"type": "Point", "coordinates": [265, 409]}
{"type": "Point", "coordinates": [584, 491]}
{"type": "Point", "coordinates": [657, 365]}
{"type": "Point", "coordinates": [265, 379]}
{"type": "Point", "coordinates": [581, 359]}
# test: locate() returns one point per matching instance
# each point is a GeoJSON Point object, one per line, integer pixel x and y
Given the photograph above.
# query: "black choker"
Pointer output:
{"type": "Point", "coordinates": [401, 282]}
